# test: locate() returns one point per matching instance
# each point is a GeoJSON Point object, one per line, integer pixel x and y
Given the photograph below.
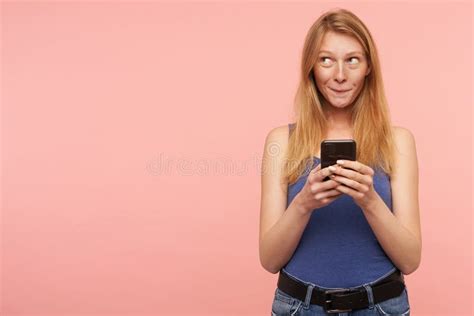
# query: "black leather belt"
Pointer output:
{"type": "Point", "coordinates": [344, 300]}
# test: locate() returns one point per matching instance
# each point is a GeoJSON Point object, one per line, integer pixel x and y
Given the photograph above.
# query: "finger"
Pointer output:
{"type": "Point", "coordinates": [327, 185]}
{"type": "Point", "coordinates": [357, 166]}
{"type": "Point", "coordinates": [353, 193]}
{"type": "Point", "coordinates": [350, 183]}
{"type": "Point", "coordinates": [321, 187]}
{"type": "Point", "coordinates": [364, 179]}
{"type": "Point", "coordinates": [354, 175]}
{"type": "Point", "coordinates": [342, 180]}
{"type": "Point", "coordinates": [321, 174]}
{"type": "Point", "coordinates": [330, 199]}
{"type": "Point", "coordinates": [325, 194]}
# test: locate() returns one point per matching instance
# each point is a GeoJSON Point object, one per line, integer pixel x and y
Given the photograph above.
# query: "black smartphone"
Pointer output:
{"type": "Point", "coordinates": [335, 149]}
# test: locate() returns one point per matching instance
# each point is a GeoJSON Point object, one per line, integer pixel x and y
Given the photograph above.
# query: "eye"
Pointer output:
{"type": "Point", "coordinates": [323, 58]}
{"type": "Point", "coordinates": [354, 58]}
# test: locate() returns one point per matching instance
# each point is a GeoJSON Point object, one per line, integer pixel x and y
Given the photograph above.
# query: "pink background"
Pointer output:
{"type": "Point", "coordinates": [132, 135]}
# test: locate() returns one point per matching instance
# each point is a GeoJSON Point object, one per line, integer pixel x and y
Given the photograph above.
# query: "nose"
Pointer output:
{"type": "Point", "coordinates": [340, 75]}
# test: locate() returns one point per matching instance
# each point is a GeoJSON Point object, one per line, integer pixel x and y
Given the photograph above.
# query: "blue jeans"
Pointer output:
{"type": "Point", "coordinates": [284, 304]}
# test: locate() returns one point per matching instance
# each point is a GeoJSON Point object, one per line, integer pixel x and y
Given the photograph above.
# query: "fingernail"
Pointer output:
{"type": "Point", "coordinates": [332, 168]}
{"type": "Point", "coordinates": [341, 162]}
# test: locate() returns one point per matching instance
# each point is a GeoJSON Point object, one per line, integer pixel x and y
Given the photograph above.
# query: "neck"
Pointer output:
{"type": "Point", "coordinates": [339, 119]}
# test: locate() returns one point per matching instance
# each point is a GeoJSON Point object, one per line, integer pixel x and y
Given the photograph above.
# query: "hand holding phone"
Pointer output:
{"type": "Point", "coordinates": [316, 192]}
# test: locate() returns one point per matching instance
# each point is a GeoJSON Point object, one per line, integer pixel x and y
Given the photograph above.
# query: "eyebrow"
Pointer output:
{"type": "Point", "coordinates": [350, 53]}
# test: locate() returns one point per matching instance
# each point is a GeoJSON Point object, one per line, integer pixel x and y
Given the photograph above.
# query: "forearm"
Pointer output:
{"type": "Point", "coordinates": [280, 242]}
{"type": "Point", "coordinates": [403, 248]}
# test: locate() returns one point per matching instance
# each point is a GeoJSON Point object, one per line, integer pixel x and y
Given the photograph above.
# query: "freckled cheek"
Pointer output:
{"type": "Point", "coordinates": [356, 80]}
{"type": "Point", "coordinates": [324, 74]}
{"type": "Point", "coordinates": [323, 80]}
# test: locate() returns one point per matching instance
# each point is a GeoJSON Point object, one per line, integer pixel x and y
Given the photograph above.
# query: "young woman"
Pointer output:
{"type": "Point", "coordinates": [340, 246]}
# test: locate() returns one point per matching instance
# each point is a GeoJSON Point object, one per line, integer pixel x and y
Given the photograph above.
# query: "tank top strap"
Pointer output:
{"type": "Point", "coordinates": [291, 127]}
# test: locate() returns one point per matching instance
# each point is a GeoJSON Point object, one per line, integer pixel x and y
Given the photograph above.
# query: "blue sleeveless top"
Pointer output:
{"type": "Point", "coordinates": [338, 248]}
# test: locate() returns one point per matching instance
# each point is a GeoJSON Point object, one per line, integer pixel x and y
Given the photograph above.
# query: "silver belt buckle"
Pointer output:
{"type": "Point", "coordinates": [327, 302]}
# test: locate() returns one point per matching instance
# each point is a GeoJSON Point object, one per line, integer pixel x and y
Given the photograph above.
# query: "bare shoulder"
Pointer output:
{"type": "Point", "coordinates": [279, 133]}
{"type": "Point", "coordinates": [276, 141]}
{"type": "Point", "coordinates": [403, 136]}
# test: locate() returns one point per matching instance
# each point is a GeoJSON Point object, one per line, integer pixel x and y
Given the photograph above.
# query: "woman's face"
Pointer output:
{"type": "Point", "coordinates": [340, 69]}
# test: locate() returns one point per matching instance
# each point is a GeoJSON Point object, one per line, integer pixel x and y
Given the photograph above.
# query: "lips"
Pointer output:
{"type": "Point", "coordinates": [339, 90]}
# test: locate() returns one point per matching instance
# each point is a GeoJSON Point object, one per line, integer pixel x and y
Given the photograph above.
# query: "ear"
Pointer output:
{"type": "Point", "coordinates": [369, 69]}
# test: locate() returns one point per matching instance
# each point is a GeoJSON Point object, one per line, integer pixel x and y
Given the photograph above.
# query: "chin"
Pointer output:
{"type": "Point", "coordinates": [340, 105]}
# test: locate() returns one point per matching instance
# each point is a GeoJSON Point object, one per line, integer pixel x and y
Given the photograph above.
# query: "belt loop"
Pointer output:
{"type": "Point", "coordinates": [370, 295]}
{"type": "Point", "coordinates": [309, 293]}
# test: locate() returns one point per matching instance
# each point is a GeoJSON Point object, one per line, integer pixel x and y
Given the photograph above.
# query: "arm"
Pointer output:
{"type": "Point", "coordinates": [280, 229]}
{"type": "Point", "coordinates": [399, 233]}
